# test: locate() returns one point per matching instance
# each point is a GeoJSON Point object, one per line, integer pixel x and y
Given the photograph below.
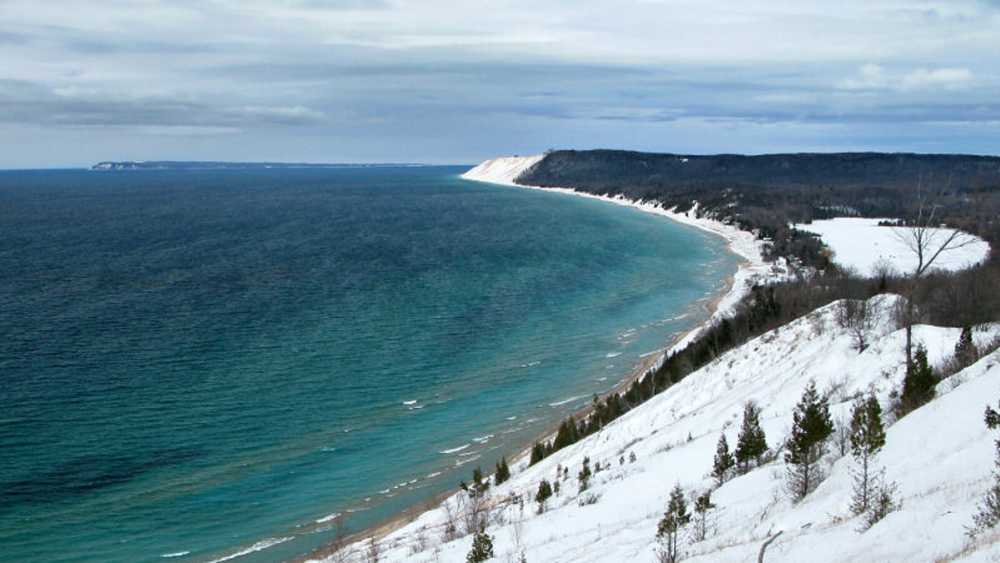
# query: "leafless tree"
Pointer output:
{"type": "Point", "coordinates": [341, 551]}
{"type": "Point", "coordinates": [450, 525]}
{"type": "Point", "coordinates": [373, 553]}
{"type": "Point", "coordinates": [927, 240]}
{"type": "Point", "coordinates": [856, 317]}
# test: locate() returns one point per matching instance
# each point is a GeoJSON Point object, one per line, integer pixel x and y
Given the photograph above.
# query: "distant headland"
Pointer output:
{"type": "Point", "coordinates": [218, 165]}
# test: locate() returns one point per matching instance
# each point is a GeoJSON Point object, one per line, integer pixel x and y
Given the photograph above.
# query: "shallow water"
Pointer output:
{"type": "Point", "coordinates": [198, 364]}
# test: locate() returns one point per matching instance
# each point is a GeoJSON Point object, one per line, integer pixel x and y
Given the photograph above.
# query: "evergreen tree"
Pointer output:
{"type": "Point", "coordinates": [867, 438]}
{"type": "Point", "coordinates": [723, 461]}
{"type": "Point", "coordinates": [966, 353]}
{"type": "Point", "coordinates": [751, 444]}
{"type": "Point", "coordinates": [673, 522]}
{"type": "Point", "coordinates": [479, 485]}
{"type": "Point", "coordinates": [918, 386]}
{"type": "Point", "coordinates": [503, 471]}
{"type": "Point", "coordinates": [543, 494]}
{"type": "Point", "coordinates": [702, 506]}
{"type": "Point", "coordinates": [482, 547]}
{"type": "Point", "coordinates": [811, 426]}
{"type": "Point", "coordinates": [989, 509]}
{"type": "Point", "coordinates": [584, 475]}
{"type": "Point", "coordinates": [537, 453]}
{"type": "Point", "coordinates": [566, 435]}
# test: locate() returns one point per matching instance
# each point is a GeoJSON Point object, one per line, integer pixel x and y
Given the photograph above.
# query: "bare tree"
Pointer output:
{"type": "Point", "coordinates": [341, 551]}
{"type": "Point", "coordinates": [855, 315]}
{"type": "Point", "coordinates": [927, 240]}
{"type": "Point", "coordinates": [373, 553]}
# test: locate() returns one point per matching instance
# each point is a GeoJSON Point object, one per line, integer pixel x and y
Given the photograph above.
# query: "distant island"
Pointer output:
{"type": "Point", "coordinates": [215, 165]}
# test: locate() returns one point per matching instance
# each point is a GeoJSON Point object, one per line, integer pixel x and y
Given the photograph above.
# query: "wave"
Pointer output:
{"type": "Point", "coordinates": [259, 546]}
{"type": "Point", "coordinates": [612, 354]}
{"type": "Point", "coordinates": [482, 439]}
{"type": "Point", "coordinates": [410, 403]}
{"type": "Point", "coordinates": [454, 450]}
{"type": "Point", "coordinates": [461, 462]}
{"type": "Point", "coordinates": [433, 475]}
{"type": "Point", "coordinates": [328, 518]}
{"type": "Point", "coordinates": [512, 417]}
{"type": "Point", "coordinates": [175, 554]}
{"type": "Point", "coordinates": [564, 401]}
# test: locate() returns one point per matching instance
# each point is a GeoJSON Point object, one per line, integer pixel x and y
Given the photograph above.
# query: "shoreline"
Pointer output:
{"type": "Point", "coordinates": [750, 267]}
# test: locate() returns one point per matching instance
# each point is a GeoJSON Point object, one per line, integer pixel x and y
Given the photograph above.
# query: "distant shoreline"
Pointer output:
{"type": "Point", "coordinates": [751, 266]}
{"type": "Point", "coordinates": [128, 165]}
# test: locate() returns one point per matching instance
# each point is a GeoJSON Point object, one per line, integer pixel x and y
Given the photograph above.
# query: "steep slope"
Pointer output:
{"type": "Point", "coordinates": [940, 455]}
{"type": "Point", "coordinates": [503, 170]}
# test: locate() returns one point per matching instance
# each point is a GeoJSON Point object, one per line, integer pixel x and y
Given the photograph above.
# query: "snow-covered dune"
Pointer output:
{"type": "Point", "coordinates": [941, 456]}
{"type": "Point", "coordinates": [861, 244]}
{"type": "Point", "coordinates": [502, 170]}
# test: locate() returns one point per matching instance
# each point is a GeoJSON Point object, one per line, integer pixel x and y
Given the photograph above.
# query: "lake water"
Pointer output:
{"type": "Point", "coordinates": [195, 364]}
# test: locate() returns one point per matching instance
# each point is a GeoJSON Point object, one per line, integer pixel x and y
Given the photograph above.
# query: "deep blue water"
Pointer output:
{"type": "Point", "coordinates": [200, 361]}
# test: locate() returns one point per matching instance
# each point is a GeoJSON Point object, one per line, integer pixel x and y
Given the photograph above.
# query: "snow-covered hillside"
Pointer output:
{"type": "Point", "coordinates": [861, 244]}
{"type": "Point", "coordinates": [502, 170]}
{"type": "Point", "coordinates": [940, 455]}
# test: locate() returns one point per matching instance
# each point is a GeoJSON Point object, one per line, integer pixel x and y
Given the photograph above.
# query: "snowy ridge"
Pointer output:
{"type": "Point", "coordinates": [940, 455]}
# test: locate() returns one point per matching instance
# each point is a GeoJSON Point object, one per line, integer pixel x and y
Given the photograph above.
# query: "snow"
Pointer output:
{"type": "Point", "coordinates": [860, 244]}
{"type": "Point", "coordinates": [503, 170]}
{"type": "Point", "coordinates": [941, 456]}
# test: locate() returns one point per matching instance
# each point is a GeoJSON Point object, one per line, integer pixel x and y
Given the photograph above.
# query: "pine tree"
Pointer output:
{"type": "Point", "coordinates": [702, 506]}
{"type": "Point", "coordinates": [543, 494]}
{"type": "Point", "coordinates": [673, 522]}
{"type": "Point", "coordinates": [867, 438]}
{"type": "Point", "coordinates": [479, 485]}
{"type": "Point", "coordinates": [537, 453]}
{"type": "Point", "coordinates": [482, 547]}
{"type": "Point", "coordinates": [751, 444]}
{"type": "Point", "coordinates": [584, 475]}
{"type": "Point", "coordinates": [918, 386]}
{"type": "Point", "coordinates": [989, 509]}
{"type": "Point", "coordinates": [723, 461]}
{"type": "Point", "coordinates": [503, 471]}
{"type": "Point", "coordinates": [966, 353]}
{"type": "Point", "coordinates": [811, 426]}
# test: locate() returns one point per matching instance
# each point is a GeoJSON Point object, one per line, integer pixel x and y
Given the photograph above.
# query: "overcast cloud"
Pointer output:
{"type": "Point", "coordinates": [445, 81]}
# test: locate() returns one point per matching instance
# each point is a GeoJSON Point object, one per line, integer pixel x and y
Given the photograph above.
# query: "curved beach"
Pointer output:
{"type": "Point", "coordinates": [752, 269]}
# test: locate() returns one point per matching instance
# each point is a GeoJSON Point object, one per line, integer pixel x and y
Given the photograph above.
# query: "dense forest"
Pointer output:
{"type": "Point", "coordinates": [767, 192]}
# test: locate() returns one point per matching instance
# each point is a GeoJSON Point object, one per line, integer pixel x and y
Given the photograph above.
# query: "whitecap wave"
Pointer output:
{"type": "Point", "coordinates": [259, 546]}
{"type": "Point", "coordinates": [612, 354]}
{"type": "Point", "coordinates": [454, 450]}
{"type": "Point", "coordinates": [433, 475]}
{"type": "Point", "coordinates": [410, 403]}
{"type": "Point", "coordinates": [328, 518]}
{"type": "Point", "coordinates": [565, 401]}
{"type": "Point", "coordinates": [175, 554]}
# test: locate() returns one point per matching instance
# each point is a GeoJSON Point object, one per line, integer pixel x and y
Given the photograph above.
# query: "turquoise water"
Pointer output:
{"type": "Point", "coordinates": [200, 363]}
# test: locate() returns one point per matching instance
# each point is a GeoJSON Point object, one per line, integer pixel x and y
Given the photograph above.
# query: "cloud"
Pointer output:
{"type": "Point", "coordinates": [359, 77]}
{"type": "Point", "coordinates": [875, 77]}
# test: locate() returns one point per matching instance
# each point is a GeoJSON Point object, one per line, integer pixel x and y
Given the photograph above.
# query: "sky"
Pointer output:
{"type": "Point", "coordinates": [451, 81]}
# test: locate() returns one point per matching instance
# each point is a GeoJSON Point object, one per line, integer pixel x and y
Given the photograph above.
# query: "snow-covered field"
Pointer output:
{"type": "Point", "coordinates": [941, 456]}
{"type": "Point", "coordinates": [860, 244]}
